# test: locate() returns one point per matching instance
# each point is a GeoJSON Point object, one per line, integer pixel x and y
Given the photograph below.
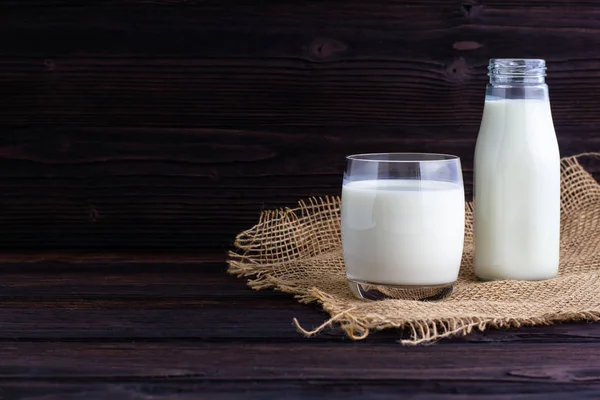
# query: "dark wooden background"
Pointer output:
{"type": "Point", "coordinates": [170, 124]}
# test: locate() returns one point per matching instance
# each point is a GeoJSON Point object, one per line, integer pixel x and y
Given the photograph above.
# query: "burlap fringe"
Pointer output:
{"type": "Point", "coordinates": [357, 328]}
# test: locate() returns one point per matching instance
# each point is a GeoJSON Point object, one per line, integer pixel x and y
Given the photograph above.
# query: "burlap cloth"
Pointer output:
{"type": "Point", "coordinates": [299, 251]}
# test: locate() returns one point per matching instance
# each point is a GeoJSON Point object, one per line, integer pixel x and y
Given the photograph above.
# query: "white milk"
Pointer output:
{"type": "Point", "coordinates": [402, 232]}
{"type": "Point", "coordinates": [517, 192]}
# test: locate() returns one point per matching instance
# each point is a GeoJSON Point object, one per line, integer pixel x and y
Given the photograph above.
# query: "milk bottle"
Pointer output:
{"type": "Point", "coordinates": [517, 176]}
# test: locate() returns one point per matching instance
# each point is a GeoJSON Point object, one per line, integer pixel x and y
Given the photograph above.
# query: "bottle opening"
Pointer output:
{"type": "Point", "coordinates": [517, 71]}
{"type": "Point", "coordinates": [517, 67]}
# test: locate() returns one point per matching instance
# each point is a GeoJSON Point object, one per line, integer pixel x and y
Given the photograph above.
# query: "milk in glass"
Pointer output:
{"type": "Point", "coordinates": [402, 231]}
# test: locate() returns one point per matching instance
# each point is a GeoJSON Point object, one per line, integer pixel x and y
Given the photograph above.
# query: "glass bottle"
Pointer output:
{"type": "Point", "coordinates": [517, 176]}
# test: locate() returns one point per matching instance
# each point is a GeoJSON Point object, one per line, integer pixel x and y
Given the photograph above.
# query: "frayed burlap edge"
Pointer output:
{"type": "Point", "coordinates": [423, 331]}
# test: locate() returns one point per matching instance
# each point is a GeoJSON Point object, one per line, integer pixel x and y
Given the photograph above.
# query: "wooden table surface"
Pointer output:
{"type": "Point", "coordinates": [178, 327]}
{"type": "Point", "coordinates": [168, 125]}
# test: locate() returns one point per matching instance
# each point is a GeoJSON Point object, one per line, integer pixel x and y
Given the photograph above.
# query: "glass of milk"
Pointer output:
{"type": "Point", "coordinates": [403, 217]}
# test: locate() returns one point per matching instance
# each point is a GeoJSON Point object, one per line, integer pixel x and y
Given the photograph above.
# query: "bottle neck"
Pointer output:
{"type": "Point", "coordinates": [517, 92]}
{"type": "Point", "coordinates": [513, 80]}
{"type": "Point", "coordinates": [517, 78]}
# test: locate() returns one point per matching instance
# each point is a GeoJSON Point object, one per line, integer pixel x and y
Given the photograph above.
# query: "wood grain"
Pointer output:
{"type": "Point", "coordinates": [250, 5]}
{"type": "Point", "coordinates": [171, 389]}
{"type": "Point", "coordinates": [122, 300]}
{"type": "Point", "coordinates": [170, 125]}
{"type": "Point", "coordinates": [313, 361]}
{"type": "Point", "coordinates": [125, 370]}
{"type": "Point", "coordinates": [103, 327]}
{"type": "Point", "coordinates": [190, 188]}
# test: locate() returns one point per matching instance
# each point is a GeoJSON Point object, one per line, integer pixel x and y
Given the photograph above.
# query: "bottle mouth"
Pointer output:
{"type": "Point", "coordinates": [517, 67]}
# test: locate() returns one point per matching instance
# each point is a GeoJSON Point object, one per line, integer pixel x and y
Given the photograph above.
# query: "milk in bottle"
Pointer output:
{"type": "Point", "coordinates": [517, 176]}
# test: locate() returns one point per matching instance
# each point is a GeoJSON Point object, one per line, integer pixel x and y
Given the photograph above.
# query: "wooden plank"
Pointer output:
{"type": "Point", "coordinates": [75, 301]}
{"type": "Point", "coordinates": [466, 4]}
{"type": "Point", "coordinates": [158, 321]}
{"type": "Point", "coordinates": [117, 285]}
{"type": "Point", "coordinates": [575, 363]}
{"type": "Point", "coordinates": [94, 188]}
{"type": "Point", "coordinates": [171, 389]}
{"type": "Point", "coordinates": [104, 298]}
{"type": "Point", "coordinates": [172, 188]}
{"type": "Point", "coordinates": [251, 320]}
{"type": "Point", "coordinates": [392, 93]}
{"type": "Point", "coordinates": [140, 261]}
{"type": "Point", "coordinates": [192, 67]}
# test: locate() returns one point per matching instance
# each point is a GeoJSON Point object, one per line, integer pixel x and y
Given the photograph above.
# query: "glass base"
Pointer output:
{"type": "Point", "coordinates": [376, 291]}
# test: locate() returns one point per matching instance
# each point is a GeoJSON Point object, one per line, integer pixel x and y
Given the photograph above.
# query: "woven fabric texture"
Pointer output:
{"type": "Point", "coordinates": [299, 251]}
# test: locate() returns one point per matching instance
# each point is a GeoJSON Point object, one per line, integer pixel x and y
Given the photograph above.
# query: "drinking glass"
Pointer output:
{"type": "Point", "coordinates": [403, 218]}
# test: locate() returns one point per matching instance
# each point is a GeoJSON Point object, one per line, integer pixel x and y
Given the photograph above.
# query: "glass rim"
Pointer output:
{"type": "Point", "coordinates": [402, 157]}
